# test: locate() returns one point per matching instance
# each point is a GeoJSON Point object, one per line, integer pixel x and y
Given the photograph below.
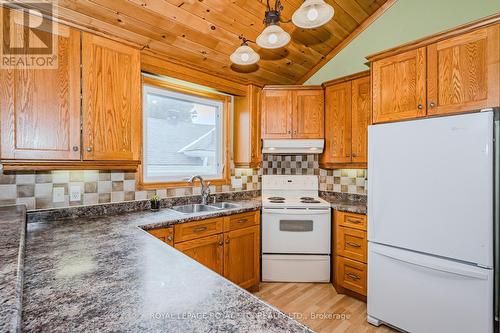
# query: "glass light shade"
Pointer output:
{"type": "Point", "coordinates": [312, 14]}
{"type": "Point", "coordinates": [244, 55]}
{"type": "Point", "coordinates": [273, 37]}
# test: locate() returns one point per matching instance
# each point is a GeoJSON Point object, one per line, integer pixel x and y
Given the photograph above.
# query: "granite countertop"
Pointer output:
{"type": "Point", "coordinates": [108, 274]}
{"type": "Point", "coordinates": [12, 226]}
{"type": "Point", "coordinates": [346, 202]}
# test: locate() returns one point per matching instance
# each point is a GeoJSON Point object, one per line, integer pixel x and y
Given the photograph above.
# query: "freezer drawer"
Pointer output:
{"type": "Point", "coordinates": [295, 268]}
{"type": "Point", "coordinates": [425, 294]}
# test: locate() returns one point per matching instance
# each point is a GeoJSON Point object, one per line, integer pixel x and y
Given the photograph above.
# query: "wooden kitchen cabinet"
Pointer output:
{"type": "Point", "coordinates": [399, 86]}
{"type": "Point", "coordinates": [463, 72]}
{"type": "Point", "coordinates": [448, 73]}
{"type": "Point", "coordinates": [164, 234]}
{"type": "Point", "coordinates": [347, 116]}
{"type": "Point", "coordinates": [247, 127]}
{"type": "Point", "coordinates": [208, 251]}
{"type": "Point", "coordinates": [111, 76]}
{"type": "Point", "coordinates": [276, 114]}
{"type": "Point", "coordinates": [308, 114]}
{"type": "Point", "coordinates": [292, 112]}
{"type": "Point", "coordinates": [349, 264]}
{"type": "Point", "coordinates": [241, 256]}
{"type": "Point", "coordinates": [40, 108]}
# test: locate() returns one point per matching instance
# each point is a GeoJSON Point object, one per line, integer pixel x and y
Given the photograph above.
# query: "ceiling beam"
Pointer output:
{"type": "Point", "coordinates": [366, 23]}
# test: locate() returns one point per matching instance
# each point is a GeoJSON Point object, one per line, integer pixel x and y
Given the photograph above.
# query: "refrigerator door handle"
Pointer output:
{"type": "Point", "coordinates": [437, 267]}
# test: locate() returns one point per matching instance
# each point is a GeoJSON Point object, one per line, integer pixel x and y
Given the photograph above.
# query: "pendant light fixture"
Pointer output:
{"type": "Point", "coordinates": [273, 36]}
{"type": "Point", "coordinates": [312, 14]}
{"type": "Point", "coordinates": [244, 55]}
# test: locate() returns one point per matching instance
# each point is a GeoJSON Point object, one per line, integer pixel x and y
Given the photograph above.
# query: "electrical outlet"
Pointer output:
{"type": "Point", "coordinates": [58, 194]}
{"type": "Point", "coordinates": [75, 193]}
{"type": "Point", "coordinates": [237, 183]}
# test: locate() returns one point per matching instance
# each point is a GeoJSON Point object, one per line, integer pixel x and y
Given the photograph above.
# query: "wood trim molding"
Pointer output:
{"type": "Point", "coordinates": [362, 27]}
{"type": "Point", "coordinates": [293, 87]}
{"type": "Point", "coordinates": [32, 165]}
{"type": "Point", "coordinates": [155, 65]}
{"type": "Point", "coordinates": [343, 165]}
{"type": "Point", "coordinates": [227, 136]}
{"type": "Point", "coordinates": [460, 30]}
{"type": "Point", "coordinates": [346, 78]}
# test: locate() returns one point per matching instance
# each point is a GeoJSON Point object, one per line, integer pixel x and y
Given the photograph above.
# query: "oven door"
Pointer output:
{"type": "Point", "coordinates": [296, 231]}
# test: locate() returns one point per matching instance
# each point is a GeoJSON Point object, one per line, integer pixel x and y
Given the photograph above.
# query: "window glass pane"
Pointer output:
{"type": "Point", "coordinates": [182, 136]}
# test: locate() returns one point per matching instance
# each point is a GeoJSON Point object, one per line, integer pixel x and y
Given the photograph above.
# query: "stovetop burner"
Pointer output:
{"type": "Point", "coordinates": [276, 198]}
{"type": "Point", "coordinates": [307, 199]}
{"type": "Point", "coordinates": [277, 201]}
{"type": "Point", "coordinates": [310, 201]}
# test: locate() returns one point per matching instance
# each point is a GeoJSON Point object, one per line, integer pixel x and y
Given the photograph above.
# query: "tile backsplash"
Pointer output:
{"type": "Point", "coordinates": [35, 189]}
{"type": "Point", "coordinates": [352, 181]}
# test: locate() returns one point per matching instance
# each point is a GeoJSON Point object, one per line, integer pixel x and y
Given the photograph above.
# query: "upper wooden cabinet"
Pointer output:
{"type": "Point", "coordinates": [247, 127]}
{"type": "Point", "coordinates": [308, 114]}
{"type": "Point", "coordinates": [292, 112]}
{"type": "Point", "coordinates": [448, 73]}
{"type": "Point", "coordinates": [463, 72]}
{"type": "Point", "coordinates": [40, 108]}
{"type": "Point", "coordinates": [111, 99]}
{"type": "Point", "coordinates": [399, 86]}
{"type": "Point", "coordinates": [347, 116]}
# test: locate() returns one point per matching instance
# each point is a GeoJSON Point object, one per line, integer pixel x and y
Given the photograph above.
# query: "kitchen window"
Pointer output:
{"type": "Point", "coordinates": [185, 133]}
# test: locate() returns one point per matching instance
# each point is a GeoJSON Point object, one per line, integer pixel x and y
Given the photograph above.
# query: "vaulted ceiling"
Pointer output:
{"type": "Point", "coordinates": [203, 33]}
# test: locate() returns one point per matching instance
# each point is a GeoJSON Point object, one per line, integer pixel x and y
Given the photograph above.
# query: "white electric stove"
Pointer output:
{"type": "Point", "coordinates": [296, 230]}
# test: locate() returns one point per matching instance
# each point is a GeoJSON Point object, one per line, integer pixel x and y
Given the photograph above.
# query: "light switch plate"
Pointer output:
{"type": "Point", "coordinates": [58, 194]}
{"type": "Point", "coordinates": [75, 193]}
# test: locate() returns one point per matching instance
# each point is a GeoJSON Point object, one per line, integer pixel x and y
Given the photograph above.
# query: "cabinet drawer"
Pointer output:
{"type": "Point", "coordinates": [351, 220]}
{"type": "Point", "coordinates": [193, 230]}
{"type": "Point", "coordinates": [351, 243]}
{"type": "Point", "coordinates": [351, 275]}
{"type": "Point", "coordinates": [239, 221]}
{"type": "Point", "coordinates": [164, 234]}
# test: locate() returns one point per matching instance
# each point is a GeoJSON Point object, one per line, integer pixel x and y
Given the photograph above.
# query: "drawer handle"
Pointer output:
{"type": "Point", "coordinates": [352, 220]}
{"type": "Point", "coordinates": [200, 229]}
{"type": "Point", "coordinates": [353, 244]}
{"type": "Point", "coordinates": [353, 276]}
{"type": "Point", "coordinates": [242, 221]}
{"type": "Point", "coordinates": [169, 238]}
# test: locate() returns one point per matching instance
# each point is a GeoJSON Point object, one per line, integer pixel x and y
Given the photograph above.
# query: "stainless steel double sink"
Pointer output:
{"type": "Point", "coordinates": [199, 208]}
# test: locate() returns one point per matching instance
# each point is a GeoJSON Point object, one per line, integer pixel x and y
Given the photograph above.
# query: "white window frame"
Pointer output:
{"type": "Point", "coordinates": [219, 127]}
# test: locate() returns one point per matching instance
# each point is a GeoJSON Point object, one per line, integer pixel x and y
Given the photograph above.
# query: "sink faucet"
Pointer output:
{"type": "Point", "coordinates": [205, 188]}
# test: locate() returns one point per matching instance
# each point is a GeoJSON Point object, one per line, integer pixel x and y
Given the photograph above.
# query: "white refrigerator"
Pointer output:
{"type": "Point", "coordinates": [431, 224]}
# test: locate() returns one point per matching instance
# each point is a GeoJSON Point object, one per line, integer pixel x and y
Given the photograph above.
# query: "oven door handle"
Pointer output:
{"type": "Point", "coordinates": [296, 211]}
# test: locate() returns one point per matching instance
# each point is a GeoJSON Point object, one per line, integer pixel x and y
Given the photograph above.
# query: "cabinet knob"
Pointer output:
{"type": "Point", "coordinates": [420, 106]}
{"type": "Point", "coordinates": [354, 155]}
{"type": "Point", "coordinates": [289, 132]}
{"type": "Point", "coordinates": [89, 149]}
{"type": "Point", "coordinates": [75, 148]}
{"type": "Point", "coordinates": [432, 104]}
{"type": "Point", "coordinates": [169, 238]}
{"type": "Point", "coordinates": [227, 241]}
{"type": "Point", "coordinates": [221, 243]}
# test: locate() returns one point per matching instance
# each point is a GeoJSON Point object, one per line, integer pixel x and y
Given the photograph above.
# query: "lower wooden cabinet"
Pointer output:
{"type": "Point", "coordinates": [230, 245]}
{"type": "Point", "coordinates": [208, 251]}
{"type": "Point", "coordinates": [351, 254]}
{"type": "Point", "coordinates": [241, 256]}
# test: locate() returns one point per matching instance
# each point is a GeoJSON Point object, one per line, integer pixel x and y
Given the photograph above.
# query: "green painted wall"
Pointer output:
{"type": "Point", "coordinates": [405, 21]}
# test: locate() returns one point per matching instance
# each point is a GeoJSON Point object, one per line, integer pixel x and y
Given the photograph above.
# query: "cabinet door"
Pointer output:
{"type": "Point", "coordinates": [208, 251]}
{"type": "Point", "coordinates": [337, 124]}
{"type": "Point", "coordinates": [399, 86]}
{"type": "Point", "coordinates": [40, 108]}
{"type": "Point", "coordinates": [111, 100]}
{"type": "Point", "coordinates": [241, 256]}
{"type": "Point", "coordinates": [164, 234]}
{"type": "Point", "coordinates": [464, 72]}
{"type": "Point", "coordinates": [255, 126]}
{"type": "Point", "coordinates": [276, 114]}
{"type": "Point", "coordinates": [308, 114]}
{"type": "Point", "coordinates": [361, 118]}
{"type": "Point", "coordinates": [247, 127]}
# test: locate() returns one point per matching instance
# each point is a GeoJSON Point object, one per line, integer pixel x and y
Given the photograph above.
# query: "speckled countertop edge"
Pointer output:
{"type": "Point", "coordinates": [11, 298]}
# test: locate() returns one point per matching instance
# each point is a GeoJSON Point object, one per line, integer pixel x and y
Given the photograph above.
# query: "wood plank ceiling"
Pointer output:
{"type": "Point", "coordinates": [203, 33]}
